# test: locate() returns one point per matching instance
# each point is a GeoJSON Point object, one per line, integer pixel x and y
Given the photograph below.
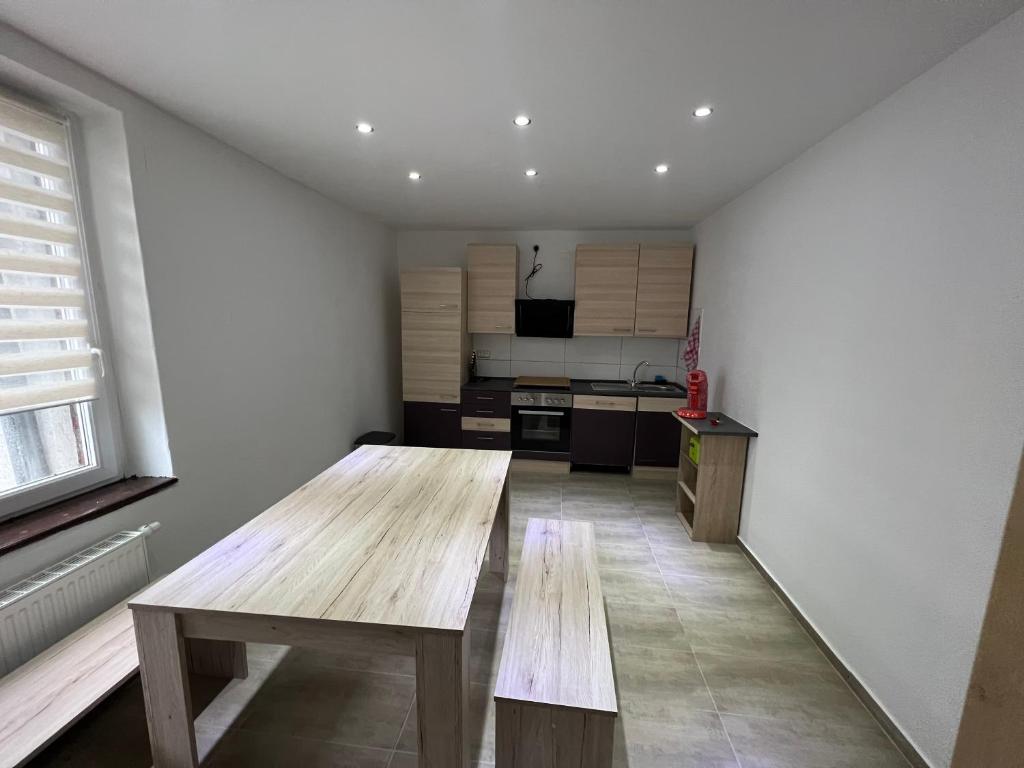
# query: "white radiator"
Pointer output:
{"type": "Point", "coordinates": [40, 610]}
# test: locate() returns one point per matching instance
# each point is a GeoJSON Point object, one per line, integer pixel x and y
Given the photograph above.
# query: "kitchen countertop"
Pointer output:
{"type": "Point", "coordinates": [577, 387]}
{"type": "Point", "coordinates": [726, 426]}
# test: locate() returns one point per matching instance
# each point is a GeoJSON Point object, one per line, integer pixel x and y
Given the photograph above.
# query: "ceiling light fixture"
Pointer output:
{"type": "Point", "coordinates": [522, 120]}
{"type": "Point", "coordinates": [531, 172]}
{"type": "Point", "coordinates": [661, 168]}
{"type": "Point", "coordinates": [703, 111]}
{"type": "Point", "coordinates": [414, 175]}
{"type": "Point", "coordinates": [364, 127]}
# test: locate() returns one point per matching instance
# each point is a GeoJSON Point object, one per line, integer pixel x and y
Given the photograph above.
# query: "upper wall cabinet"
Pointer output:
{"type": "Point", "coordinates": [492, 287]}
{"type": "Point", "coordinates": [606, 278]}
{"type": "Point", "coordinates": [663, 290]}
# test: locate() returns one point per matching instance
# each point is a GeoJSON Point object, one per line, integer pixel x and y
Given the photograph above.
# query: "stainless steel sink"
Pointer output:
{"type": "Point", "coordinates": [621, 386]}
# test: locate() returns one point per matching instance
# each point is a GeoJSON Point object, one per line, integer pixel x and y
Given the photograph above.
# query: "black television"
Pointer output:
{"type": "Point", "coordinates": [547, 318]}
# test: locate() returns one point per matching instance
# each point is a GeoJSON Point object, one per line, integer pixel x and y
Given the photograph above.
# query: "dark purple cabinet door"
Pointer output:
{"type": "Point", "coordinates": [657, 439]}
{"type": "Point", "coordinates": [603, 438]}
{"type": "Point", "coordinates": [433, 425]}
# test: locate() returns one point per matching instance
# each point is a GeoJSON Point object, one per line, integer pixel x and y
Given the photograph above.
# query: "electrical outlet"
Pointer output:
{"type": "Point", "coordinates": [483, 354]}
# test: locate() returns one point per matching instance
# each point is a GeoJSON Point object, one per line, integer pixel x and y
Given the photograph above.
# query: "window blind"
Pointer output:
{"type": "Point", "coordinates": [46, 358]}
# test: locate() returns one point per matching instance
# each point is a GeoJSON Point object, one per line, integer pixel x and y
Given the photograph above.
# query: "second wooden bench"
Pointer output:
{"type": "Point", "coordinates": [555, 694]}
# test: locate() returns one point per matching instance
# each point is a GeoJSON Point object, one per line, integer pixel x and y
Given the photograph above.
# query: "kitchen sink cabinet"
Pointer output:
{"type": "Point", "coordinates": [492, 287]}
{"type": "Point", "coordinates": [433, 425]}
{"type": "Point", "coordinates": [658, 431]}
{"type": "Point", "coordinates": [603, 430]}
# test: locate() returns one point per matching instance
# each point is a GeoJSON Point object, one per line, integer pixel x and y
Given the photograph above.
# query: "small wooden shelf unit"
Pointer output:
{"type": "Point", "coordinates": [709, 494]}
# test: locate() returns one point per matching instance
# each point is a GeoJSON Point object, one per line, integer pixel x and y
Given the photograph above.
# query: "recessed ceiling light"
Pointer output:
{"type": "Point", "coordinates": [531, 172]}
{"type": "Point", "coordinates": [703, 111]}
{"type": "Point", "coordinates": [522, 120]}
{"type": "Point", "coordinates": [661, 168]}
{"type": "Point", "coordinates": [415, 175]}
{"type": "Point", "coordinates": [364, 127]}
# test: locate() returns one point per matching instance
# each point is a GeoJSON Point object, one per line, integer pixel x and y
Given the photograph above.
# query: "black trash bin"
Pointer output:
{"type": "Point", "coordinates": [374, 438]}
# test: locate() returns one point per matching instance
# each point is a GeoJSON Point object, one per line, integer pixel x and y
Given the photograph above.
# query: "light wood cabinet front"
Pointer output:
{"type": "Point", "coordinates": [433, 335]}
{"type": "Point", "coordinates": [432, 290]}
{"type": "Point", "coordinates": [606, 281]}
{"type": "Point", "coordinates": [663, 290]}
{"type": "Point", "coordinates": [492, 287]}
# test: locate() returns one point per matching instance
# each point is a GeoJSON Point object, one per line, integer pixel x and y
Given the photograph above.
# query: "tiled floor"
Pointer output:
{"type": "Point", "coordinates": [712, 671]}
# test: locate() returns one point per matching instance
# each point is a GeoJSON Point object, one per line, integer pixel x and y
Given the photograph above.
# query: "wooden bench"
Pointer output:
{"type": "Point", "coordinates": [555, 695]}
{"type": "Point", "coordinates": [48, 694]}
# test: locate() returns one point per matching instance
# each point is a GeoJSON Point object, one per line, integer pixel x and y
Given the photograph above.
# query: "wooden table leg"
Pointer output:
{"type": "Point", "coordinates": [217, 658]}
{"type": "Point", "coordinates": [164, 668]}
{"type": "Point", "coordinates": [499, 536]}
{"type": "Point", "coordinates": [442, 699]}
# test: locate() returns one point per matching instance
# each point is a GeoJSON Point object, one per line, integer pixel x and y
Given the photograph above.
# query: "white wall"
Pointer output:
{"type": "Point", "coordinates": [584, 357]}
{"type": "Point", "coordinates": [274, 323]}
{"type": "Point", "coordinates": [864, 312]}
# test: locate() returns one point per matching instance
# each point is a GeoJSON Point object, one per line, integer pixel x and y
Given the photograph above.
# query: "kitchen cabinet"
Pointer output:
{"type": "Point", "coordinates": [603, 430]}
{"type": "Point", "coordinates": [606, 285]}
{"type": "Point", "coordinates": [492, 271]}
{"type": "Point", "coordinates": [657, 431]}
{"type": "Point", "coordinates": [433, 425]}
{"type": "Point", "coordinates": [663, 290]}
{"type": "Point", "coordinates": [435, 344]}
{"type": "Point", "coordinates": [486, 420]}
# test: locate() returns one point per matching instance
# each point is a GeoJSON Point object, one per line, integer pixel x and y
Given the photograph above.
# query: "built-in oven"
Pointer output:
{"type": "Point", "coordinates": [540, 423]}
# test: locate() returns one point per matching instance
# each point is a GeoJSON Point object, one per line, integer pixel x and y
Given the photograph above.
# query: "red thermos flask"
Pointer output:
{"type": "Point", "coordinates": [697, 390]}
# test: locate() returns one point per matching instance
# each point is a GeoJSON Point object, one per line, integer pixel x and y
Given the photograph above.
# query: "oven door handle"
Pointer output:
{"type": "Point", "coordinates": [522, 412]}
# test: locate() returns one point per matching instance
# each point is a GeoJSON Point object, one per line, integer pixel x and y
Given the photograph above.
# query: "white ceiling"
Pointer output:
{"type": "Point", "coordinates": [610, 85]}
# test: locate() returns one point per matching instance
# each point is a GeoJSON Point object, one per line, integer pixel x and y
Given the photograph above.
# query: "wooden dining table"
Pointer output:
{"type": "Point", "coordinates": [381, 552]}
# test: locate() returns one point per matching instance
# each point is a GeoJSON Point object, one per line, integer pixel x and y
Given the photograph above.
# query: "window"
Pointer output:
{"type": "Point", "coordinates": [56, 432]}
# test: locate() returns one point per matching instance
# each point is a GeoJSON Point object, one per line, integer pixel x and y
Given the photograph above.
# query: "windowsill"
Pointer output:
{"type": "Point", "coordinates": [43, 522]}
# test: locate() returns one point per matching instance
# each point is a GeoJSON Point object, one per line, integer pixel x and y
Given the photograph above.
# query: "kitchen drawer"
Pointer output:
{"type": "Point", "coordinates": [473, 424]}
{"type": "Point", "coordinates": [490, 441]}
{"type": "Point", "coordinates": [604, 403]}
{"type": "Point", "coordinates": [486, 399]}
{"type": "Point", "coordinates": [660, 404]}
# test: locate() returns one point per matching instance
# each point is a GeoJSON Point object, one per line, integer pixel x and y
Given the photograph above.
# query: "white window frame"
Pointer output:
{"type": "Point", "coordinates": [105, 413]}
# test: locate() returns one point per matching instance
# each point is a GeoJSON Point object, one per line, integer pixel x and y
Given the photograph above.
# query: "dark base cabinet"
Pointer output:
{"type": "Point", "coordinates": [488, 441]}
{"type": "Point", "coordinates": [433, 425]}
{"type": "Point", "coordinates": [657, 439]}
{"type": "Point", "coordinates": [603, 438]}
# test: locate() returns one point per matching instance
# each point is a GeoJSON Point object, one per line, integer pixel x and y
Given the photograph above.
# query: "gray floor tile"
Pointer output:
{"type": "Point", "coordinates": [657, 683]}
{"type": "Point", "coordinates": [766, 688]}
{"type": "Point", "coordinates": [690, 739]}
{"type": "Point", "coordinates": [262, 750]}
{"type": "Point", "coordinates": [650, 626]}
{"type": "Point", "coordinates": [770, 743]}
{"type": "Point", "coordinates": [634, 587]}
{"type": "Point", "coordinates": [480, 725]}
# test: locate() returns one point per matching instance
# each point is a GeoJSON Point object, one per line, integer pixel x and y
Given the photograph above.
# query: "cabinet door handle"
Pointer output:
{"type": "Point", "coordinates": [445, 306]}
{"type": "Point", "coordinates": [449, 410]}
{"type": "Point", "coordinates": [645, 330]}
{"type": "Point", "coordinates": [622, 330]}
{"type": "Point", "coordinates": [484, 410]}
{"type": "Point", "coordinates": [502, 327]}
{"type": "Point", "coordinates": [484, 398]}
{"type": "Point", "coordinates": [485, 438]}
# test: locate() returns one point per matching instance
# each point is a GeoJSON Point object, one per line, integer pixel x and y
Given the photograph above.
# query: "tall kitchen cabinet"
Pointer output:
{"type": "Point", "coordinates": [633, 290]}
{"type": "Point", "coordinates": [435, 350]}
{"type": "Point", "coordinates": [492, 287]}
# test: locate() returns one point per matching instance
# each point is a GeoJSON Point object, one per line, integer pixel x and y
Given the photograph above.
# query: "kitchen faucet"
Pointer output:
{"type": "Point", "coordinates": [634, 381]}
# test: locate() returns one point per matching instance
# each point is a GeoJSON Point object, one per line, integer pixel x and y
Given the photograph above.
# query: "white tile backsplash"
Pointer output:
{"type": "Point", "coordinates": [493, 368]}
{"type": "Point", "coordinates": [583, 357]}
{"type": "Point", "coordinates": [663, 352]}
{"type": "Point", "coordinates": [537, 368]}
{"type": "Point", "coordinates": [593, 349]}
{"type": "Point", "coordinates": [499, 345]}
{"type": "Point", "coordinates": [605, 371]}
{"type": "Point", "coordinates": [538, 350]}
{"type": "Point", "coordinates": [648, 372]}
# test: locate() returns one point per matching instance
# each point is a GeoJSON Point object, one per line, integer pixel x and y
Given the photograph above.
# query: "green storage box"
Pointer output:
{"type": "Point", "coordinates": [695, 449]}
